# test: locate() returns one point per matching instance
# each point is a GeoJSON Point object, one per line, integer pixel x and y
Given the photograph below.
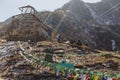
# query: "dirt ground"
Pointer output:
{"type": "Point", "coordinates": [14, 67]}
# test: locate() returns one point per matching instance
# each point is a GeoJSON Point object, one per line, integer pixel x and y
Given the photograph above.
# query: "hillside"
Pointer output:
{"type": "Point", "coordinates": [95, 24]}
{"type": "Point", "coordinates": [79, 41]}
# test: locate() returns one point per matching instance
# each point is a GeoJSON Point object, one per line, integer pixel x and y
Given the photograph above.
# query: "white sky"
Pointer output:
{"type": "Point", "coordinates": [91, 1]}
{"type": "Point", "coordinates": [9, 8]}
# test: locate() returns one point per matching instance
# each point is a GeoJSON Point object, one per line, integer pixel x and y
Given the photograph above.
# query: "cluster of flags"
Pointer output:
{"type": "Point", "coordinates": [69, 72]}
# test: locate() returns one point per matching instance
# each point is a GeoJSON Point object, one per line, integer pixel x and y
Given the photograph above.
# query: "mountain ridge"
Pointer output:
{"type": "Point", "coordinates": [96, 24]}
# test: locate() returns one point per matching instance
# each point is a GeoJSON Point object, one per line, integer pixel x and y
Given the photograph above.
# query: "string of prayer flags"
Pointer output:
{"type": "Point", "coordinates": [71, 71]}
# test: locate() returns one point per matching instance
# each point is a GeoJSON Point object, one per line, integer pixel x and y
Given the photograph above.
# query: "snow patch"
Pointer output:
{"type": "Point", "coordinates": [113, 44]}
{"type": "Point", "coordinates": [93, 13]}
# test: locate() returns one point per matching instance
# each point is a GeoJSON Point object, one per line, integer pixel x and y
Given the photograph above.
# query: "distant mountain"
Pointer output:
{"type": "Point", "coordinates": [97, 24]}
{"type": "Point", "coordinates": [94, 23]}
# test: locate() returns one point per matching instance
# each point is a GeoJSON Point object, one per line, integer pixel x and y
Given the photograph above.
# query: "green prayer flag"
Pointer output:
{"type": "Point", "coordinates": [81, 71]}
{"type": "Point", "coordinates": [118, 75]}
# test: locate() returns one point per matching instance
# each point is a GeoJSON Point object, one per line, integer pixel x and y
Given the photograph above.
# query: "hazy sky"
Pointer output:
{"type": "Point", "coordinates": [9, 8]}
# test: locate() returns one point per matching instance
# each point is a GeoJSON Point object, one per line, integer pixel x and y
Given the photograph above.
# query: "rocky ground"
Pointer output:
{"type": "Point", "coordinates": [13, 66]}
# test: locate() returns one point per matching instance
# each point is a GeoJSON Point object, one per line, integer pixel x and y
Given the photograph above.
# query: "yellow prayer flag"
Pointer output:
{"type": "Point", "coordinates": [53, 34]}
